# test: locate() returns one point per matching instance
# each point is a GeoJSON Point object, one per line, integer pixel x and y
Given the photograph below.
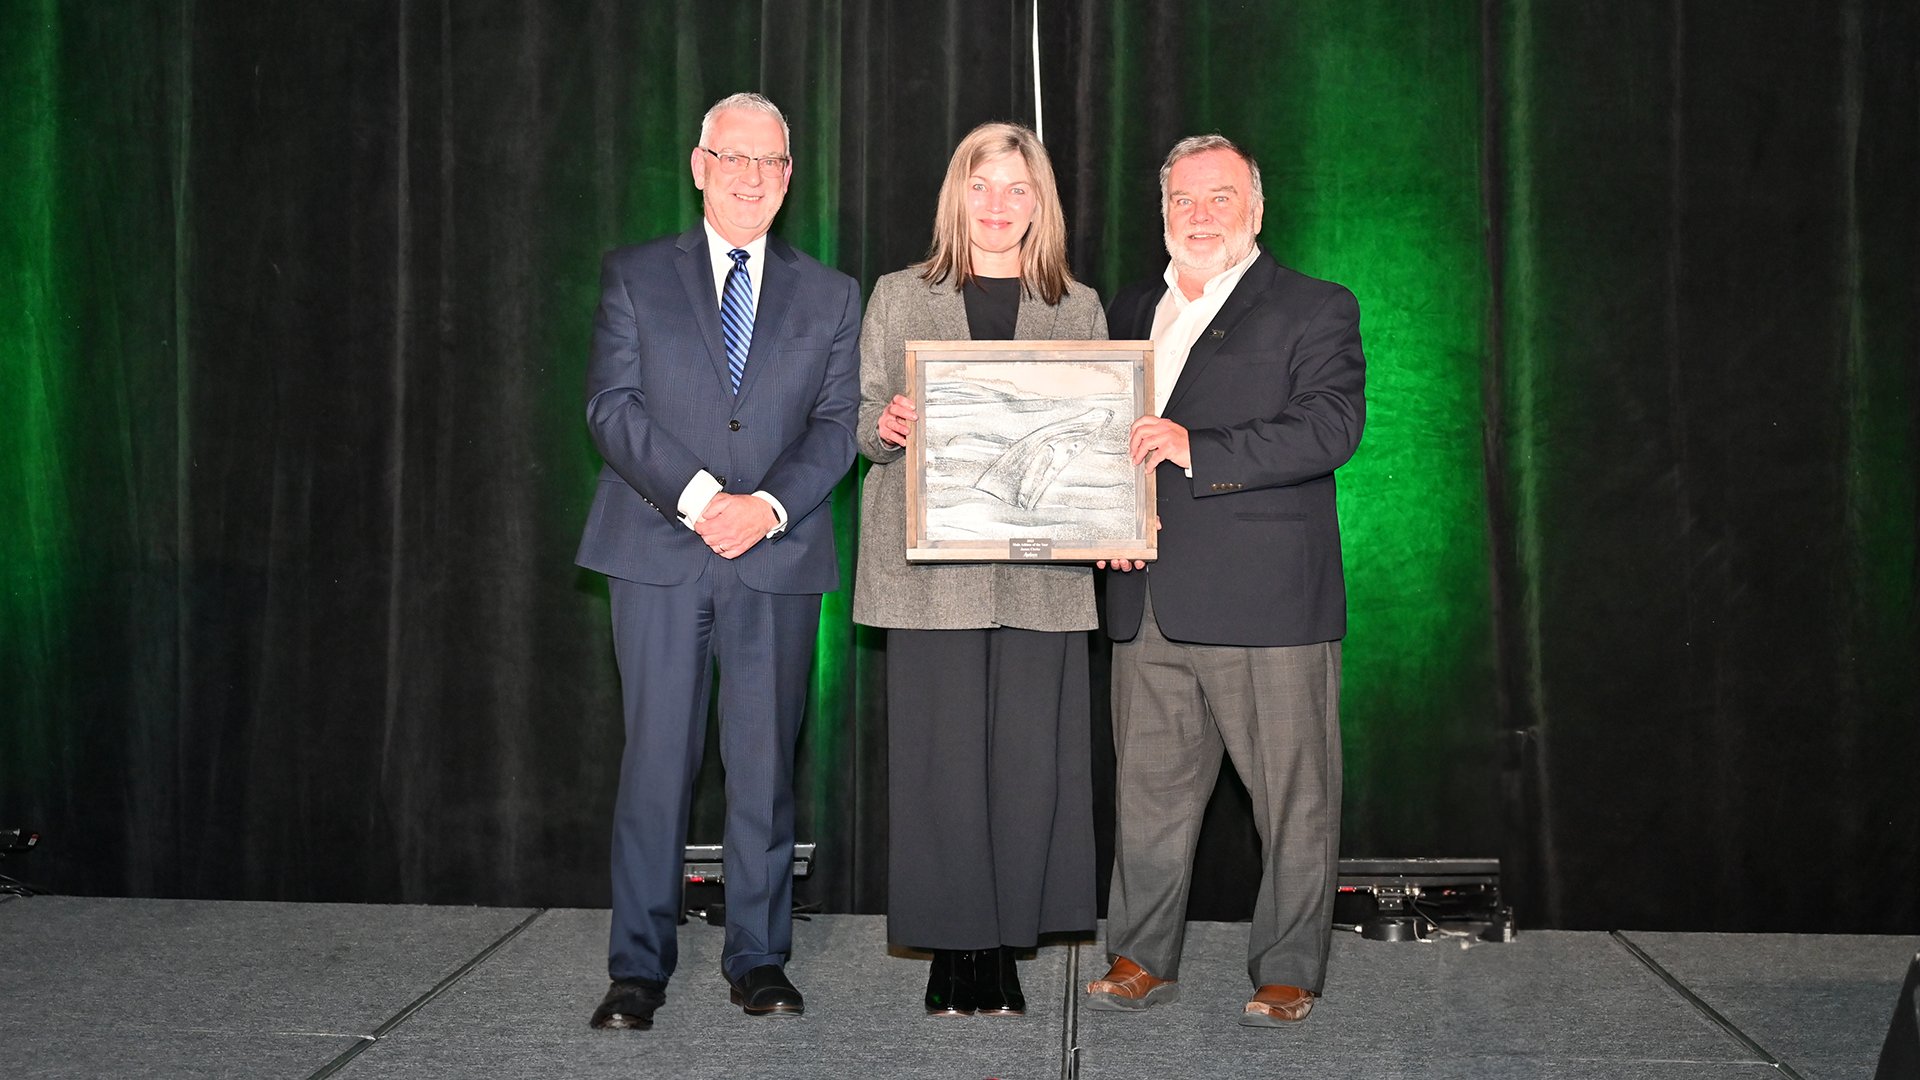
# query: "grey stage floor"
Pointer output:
{"type": "Point", "coordinates": [95, 987]}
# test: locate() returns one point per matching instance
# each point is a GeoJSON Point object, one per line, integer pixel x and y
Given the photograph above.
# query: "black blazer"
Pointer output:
{"type": "Point", "coordinates": [1272, 399]}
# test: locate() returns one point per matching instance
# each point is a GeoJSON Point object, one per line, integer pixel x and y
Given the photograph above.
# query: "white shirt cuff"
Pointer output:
{"type": "Point", "coordinates": [695, 496]}
{"type": "Point", "coordinates": [779, 512]}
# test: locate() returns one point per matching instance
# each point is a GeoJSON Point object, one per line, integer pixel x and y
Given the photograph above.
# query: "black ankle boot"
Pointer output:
{"type": "Point", "coordinates": [997, 983]}
{"type": "Point", "coordinates": [950, 990]}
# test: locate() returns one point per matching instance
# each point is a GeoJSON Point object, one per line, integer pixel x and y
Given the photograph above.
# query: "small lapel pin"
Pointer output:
{"type": "Point", "coordinates": [1218, 334]}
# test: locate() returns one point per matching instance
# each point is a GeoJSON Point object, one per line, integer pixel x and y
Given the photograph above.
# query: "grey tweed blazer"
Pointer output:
{"type": "Point", "coordinates": [889, 591]}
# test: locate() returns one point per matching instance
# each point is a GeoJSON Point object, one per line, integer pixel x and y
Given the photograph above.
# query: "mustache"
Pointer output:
{"type": "Point", "coordinates": [1238, 243]}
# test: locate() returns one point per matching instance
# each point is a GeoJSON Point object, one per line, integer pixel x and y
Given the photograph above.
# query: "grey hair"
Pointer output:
{"type": "Point", "coordinates": [1200, 144]}
{"type": "Point", "coordinates": [750, 102]}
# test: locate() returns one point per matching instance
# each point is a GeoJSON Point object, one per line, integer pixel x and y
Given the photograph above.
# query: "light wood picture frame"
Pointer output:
{"type": "Point", "coordinates": [1020, 452]}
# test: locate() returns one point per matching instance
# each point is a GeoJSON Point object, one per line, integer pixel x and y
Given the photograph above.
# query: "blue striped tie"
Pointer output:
{"type": "Point", "coordinates": [736, 316]}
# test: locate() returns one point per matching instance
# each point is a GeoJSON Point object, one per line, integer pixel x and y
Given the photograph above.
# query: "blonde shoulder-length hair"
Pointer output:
{"type": "Point", "coordinates": [1043, 251]}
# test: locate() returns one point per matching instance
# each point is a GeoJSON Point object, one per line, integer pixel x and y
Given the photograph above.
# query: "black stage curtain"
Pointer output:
{"type": "Point", "coordinates": [296, 465]}
{"type": "Point", "coordinates": [1699, 261]}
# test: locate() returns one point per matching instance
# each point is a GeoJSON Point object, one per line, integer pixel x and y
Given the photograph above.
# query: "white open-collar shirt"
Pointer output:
{"type": "Point", "coordinates": [1178, 323]}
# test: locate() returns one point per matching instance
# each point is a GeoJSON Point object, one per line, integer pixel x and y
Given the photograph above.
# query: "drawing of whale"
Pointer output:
{"type": "Point", "coordinates": [1024, 472]}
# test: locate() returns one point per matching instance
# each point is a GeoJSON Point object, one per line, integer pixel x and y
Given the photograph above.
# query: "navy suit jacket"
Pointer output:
{"type": "Point", "coordinates": [1272, 400]}
{"type": "Point", "coordinates": [661, 407]}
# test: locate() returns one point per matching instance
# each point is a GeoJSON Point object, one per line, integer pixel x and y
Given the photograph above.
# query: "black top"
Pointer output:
{"type": "Point", "coordinates": [993, 306]}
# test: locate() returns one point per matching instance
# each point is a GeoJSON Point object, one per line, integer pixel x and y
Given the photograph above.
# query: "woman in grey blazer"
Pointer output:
{"type": "Point", "coordinates": [990, 786]}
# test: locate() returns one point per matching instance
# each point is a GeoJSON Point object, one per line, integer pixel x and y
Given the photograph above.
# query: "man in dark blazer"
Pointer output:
{"type": "Point", "coordinates": [1231, 640]}
{"type": "Point", "coordinates": [721, 392]}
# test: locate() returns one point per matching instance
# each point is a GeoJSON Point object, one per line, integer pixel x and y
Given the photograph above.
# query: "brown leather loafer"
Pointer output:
{"type": "Point", "coordinates": [1128, 988]}
{"type": "Point", "coordinates": [1275, 1005]}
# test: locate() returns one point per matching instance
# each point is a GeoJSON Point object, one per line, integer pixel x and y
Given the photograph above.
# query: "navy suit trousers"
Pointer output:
{"type": "Point", "coordinates": [667, 639]}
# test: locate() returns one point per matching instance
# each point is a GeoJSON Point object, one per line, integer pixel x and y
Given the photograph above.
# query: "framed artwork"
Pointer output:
{"type": "Point", "coordinates": [1020, 453]}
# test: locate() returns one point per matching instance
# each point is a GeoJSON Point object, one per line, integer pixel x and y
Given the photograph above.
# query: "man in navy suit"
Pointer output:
{"type": "Point", "coordinates": [722, 393]}
{"type": "Point", "coordinates": [1230, 642]}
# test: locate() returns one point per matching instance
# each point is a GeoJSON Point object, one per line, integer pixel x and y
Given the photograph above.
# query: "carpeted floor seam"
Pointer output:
{"type": "Point", "coordinates": [420, 1002]}
{"type": "Point", "coordinates": [1070, 1018]}
{"type": "Point", "coordinates": [1699, 1003]}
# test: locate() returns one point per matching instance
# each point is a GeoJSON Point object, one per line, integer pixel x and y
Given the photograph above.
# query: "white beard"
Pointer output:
{"type": "Point", "coordinates": [1240, 243]}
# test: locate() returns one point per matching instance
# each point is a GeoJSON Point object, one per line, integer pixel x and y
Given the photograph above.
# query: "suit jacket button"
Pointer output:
{"type": "Point", "coordinates": [733, 425]}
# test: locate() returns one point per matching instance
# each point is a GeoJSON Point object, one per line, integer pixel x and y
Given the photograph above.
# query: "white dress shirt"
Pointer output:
{"type": "Point", "coordinates": [1178, 323]}
{"type": "Point", "coordinates": [703, 487]}
{"type": "Point", "coordinates": [717, 248]}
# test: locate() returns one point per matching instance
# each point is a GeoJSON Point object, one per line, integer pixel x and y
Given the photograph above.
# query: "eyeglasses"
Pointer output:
{"type": "Point", "coordinates": [771, 165]}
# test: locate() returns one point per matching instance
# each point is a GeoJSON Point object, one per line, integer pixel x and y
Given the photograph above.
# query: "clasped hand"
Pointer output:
{"type": "Point", "coordinates": [732, 524]}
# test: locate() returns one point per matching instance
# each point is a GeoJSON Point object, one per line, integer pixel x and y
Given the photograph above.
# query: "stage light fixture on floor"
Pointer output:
{"type": "Point", "coordinates": [17, 843]}
{"type": "Point", "coordinates": [1422, 899]}
{"type": "Point", "coordinates": [704, 892]}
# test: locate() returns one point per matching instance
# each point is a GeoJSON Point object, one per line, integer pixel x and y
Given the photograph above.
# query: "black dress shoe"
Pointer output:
{"type": "Point", "coordinates": [950, 983]}
{"type": "Point", "coordinates": [996, 983]}
{"type": "Point", "coordinates": [765, 991]}
{"type": "Point", "coordinates": [629, 1005]}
